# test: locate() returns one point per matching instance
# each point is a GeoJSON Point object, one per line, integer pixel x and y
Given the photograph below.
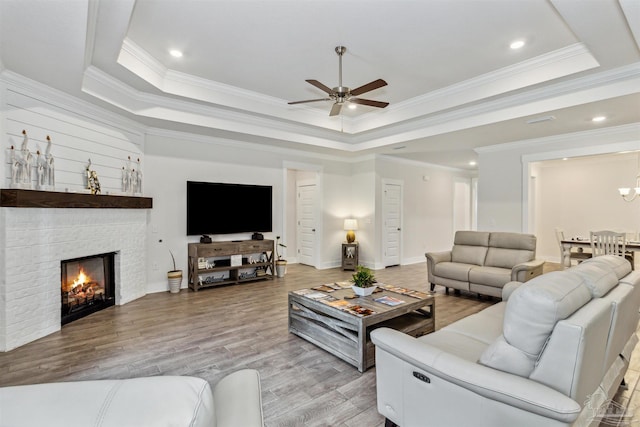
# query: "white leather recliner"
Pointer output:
{"type": "Point", "coordinates": [138, 402]}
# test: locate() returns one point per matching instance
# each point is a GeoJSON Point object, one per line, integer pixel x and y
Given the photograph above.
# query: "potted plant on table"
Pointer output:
{"type": "Point", "coordinates": [175, 277]}
{"type": "Point", "coordinates": [281, 264]}
{"type": "Point", "coordinates": [363, 281]}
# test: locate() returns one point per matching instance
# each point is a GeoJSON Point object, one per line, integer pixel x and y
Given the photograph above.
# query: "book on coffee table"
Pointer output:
{"type": "Point", "coordinates": [389, 300]}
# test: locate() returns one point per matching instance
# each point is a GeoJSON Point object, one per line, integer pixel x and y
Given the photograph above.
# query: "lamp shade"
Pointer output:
{"type": "Point", "coordinates": [350, 224]}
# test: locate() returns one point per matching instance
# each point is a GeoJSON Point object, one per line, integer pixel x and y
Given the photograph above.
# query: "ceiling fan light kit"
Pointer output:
{"type": "Point", "coordinates": [343, 94]}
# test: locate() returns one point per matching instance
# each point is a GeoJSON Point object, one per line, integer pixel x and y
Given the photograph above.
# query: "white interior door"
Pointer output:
{"type": "Point", "coordinates": [306, 221]}
{"type": "Point", "coordinates": [392, 222]}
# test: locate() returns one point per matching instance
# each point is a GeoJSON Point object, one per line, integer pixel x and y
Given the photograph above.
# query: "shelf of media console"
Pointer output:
{"type": "Point", "coordinates": [218, 271]}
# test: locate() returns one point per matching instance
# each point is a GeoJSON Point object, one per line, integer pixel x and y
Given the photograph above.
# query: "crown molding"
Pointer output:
{"type": "Point", "coordinates": [92, 23]}
{"type": "Point", "coordinates": [631, 10]}
{"type": "Point", "coordinates": [589, 88]}
{"type": "Point", "coordinates": [629, 131]}
{"type": "Point", "coordinates": [243, 145]}
{"type": "Point", "coordinates": [47, 94]}
{"type": "Point", "coordinates": [113, 91]}
{"type": "Point", "coordinates": [141, 63]}
{"type": "Point", "coordinates": [410, 162]}
{"type": "Point", "coordinates": [562, 62]}
{"type": "Point", "coordinates": [608, 84]}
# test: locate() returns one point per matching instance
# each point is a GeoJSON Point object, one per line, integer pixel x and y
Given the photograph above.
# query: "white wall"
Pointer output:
{"type": "Point", "coordinates": [362, 206]}
{"type": "Point", "coordinates": [336, 206]}
{"type": "Point", "coordinates": [173, 158]}
{"type": "Point", "coordinates": [166, 184]}
{"type": "Point", "coordinates": [428, 203]}
{"type": "Point", "coordinates": [580, 195]}
{"type": "Point", "coordinates": [347, 189]}
{"type": "Point", "coordinates": [78, 132]}
{"type": "Point", "coordinates": [502, 197]}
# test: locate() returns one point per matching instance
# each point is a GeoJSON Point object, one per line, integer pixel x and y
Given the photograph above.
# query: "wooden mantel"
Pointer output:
{"type": "Point", "coordinates": [14, 198]}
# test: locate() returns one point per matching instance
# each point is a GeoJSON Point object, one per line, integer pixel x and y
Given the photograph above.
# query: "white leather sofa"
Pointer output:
{"type": "Point", "coordinates": [484, 262]}
{"type": "Point", "coordinates": [550, 354]}
{"type": "Point", "coordinates": [162, 401]}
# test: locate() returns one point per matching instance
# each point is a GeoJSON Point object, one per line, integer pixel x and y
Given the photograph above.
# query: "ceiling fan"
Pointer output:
{"type": "Point", "coordinates": [342, 94]}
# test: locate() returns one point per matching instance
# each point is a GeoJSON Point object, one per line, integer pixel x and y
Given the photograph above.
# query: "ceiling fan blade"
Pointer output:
{"type": "Point", "coordinates": [369, 102]}
{"type": "Point", "coordinates": [368, 87]}
{"type": "Point", "coordinates": [320, 86]}
{"type": "Point", "coordinates": [309, 100]}
{"type": "Point", "coordinates": [335, 110]}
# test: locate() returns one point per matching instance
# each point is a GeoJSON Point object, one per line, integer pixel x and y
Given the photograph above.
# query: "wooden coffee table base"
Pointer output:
{"type": "Point", "coordinates": [346, 335]}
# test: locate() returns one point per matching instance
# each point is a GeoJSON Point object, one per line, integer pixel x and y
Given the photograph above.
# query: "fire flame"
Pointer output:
{"type": "Point", "coordinates": [81, 280]}
{"type": "Point", "coordinates": [78, 283]}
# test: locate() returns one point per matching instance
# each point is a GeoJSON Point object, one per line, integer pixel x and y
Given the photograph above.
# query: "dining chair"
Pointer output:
{"type": "Point", "coordinates": [607, 243]}
{"type": "Point", "coordinates": [578, 256]}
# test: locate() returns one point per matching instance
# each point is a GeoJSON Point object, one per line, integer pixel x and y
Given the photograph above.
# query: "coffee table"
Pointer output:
{"type": "Point", "coordinates": [324, 318]}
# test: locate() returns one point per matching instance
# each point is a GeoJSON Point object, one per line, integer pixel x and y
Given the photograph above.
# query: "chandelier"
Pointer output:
{"type": "Point", "coordinates": [626, 192]}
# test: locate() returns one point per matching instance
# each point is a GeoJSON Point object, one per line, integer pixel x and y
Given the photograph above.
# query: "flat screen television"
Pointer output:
{"type": "Point", "coordinates": [219, 208]}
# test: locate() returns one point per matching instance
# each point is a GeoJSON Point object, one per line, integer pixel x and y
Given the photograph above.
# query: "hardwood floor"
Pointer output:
{"type": "Point", "coordinates": [214, 332]}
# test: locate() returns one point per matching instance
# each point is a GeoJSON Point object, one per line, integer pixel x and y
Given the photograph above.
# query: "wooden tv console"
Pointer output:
{"type": "Point", "coordinates": [230, 262]}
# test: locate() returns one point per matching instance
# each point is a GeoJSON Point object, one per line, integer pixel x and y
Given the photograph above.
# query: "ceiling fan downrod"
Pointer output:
{"type": "Point", "coordinates": [341, 91]}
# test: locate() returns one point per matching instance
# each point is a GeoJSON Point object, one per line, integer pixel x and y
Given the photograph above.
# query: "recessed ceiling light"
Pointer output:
{"type": "Point", "coordinates": [517, 44]}
{"type": "Point", "coordinates": [472, 163]}
{"type": "Point", "coordinates": [352, 106]}
{"type": "Point", "coordinates": [565, 158]}
{"type": "Point", "coordinates": [175, 53]}
{"type": "Point", "coordinates": [598, 119]}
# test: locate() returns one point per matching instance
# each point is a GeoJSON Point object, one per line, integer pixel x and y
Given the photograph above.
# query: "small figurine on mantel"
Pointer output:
{"type": "Point", "coordinates": [21, 163]}
{"type": "Point", "coordinates": [15, 168]}
{"type": "Point", "coordinates": [132, 178]}
{"type": "Point", "coordinates": [50, 165]}
{"type": "Point", "coordinates": [138, 188]}
{"type": "Point", "coordinates": [39, 170]}
{"type": "Point", "coordinates": [45, 169]}
{"type": "Point", "coordinates": [93, 184]}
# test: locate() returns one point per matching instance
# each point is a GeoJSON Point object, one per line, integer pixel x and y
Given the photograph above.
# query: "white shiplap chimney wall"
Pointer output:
{"type": "Point", "coordinates": [35, 240]}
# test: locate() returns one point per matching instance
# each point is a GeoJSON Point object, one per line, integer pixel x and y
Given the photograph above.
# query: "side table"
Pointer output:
{"type": "Point", "coordinates": [349, 256]}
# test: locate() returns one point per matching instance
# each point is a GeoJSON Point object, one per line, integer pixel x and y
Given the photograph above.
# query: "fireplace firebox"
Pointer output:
{"type": "Point", "coordinates": [87, 285]}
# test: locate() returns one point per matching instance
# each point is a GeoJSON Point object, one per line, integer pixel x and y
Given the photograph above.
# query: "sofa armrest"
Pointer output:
{"type": "Point", "coordinates": [527, 270]}
{"type": "Point", "coordinates": [144, 401]}
{"type": "Point", "coordinates": [508, 289]}
{"type": "Point", "coordinates": [434, 258]}
{"type": "Point", "coordinates": [238, 400]}
{"type": "Point", "coordinates": [509, 389]}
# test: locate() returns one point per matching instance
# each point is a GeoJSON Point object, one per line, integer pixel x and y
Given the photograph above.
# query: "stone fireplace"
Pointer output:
{"type": "Point", "coordinates": [33, 244]}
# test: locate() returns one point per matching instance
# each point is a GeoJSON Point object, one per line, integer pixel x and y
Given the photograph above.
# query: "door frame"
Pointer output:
{"type": "Point", "coordinates": [304, 183]}
{"type": "Point", "coordinates": [291, 167]}
{"type": "Point", "coordinates": [383, 243]}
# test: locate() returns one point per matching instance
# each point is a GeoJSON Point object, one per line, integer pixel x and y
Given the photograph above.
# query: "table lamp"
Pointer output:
{"type": "Point", "coordinates": [350, 225]}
